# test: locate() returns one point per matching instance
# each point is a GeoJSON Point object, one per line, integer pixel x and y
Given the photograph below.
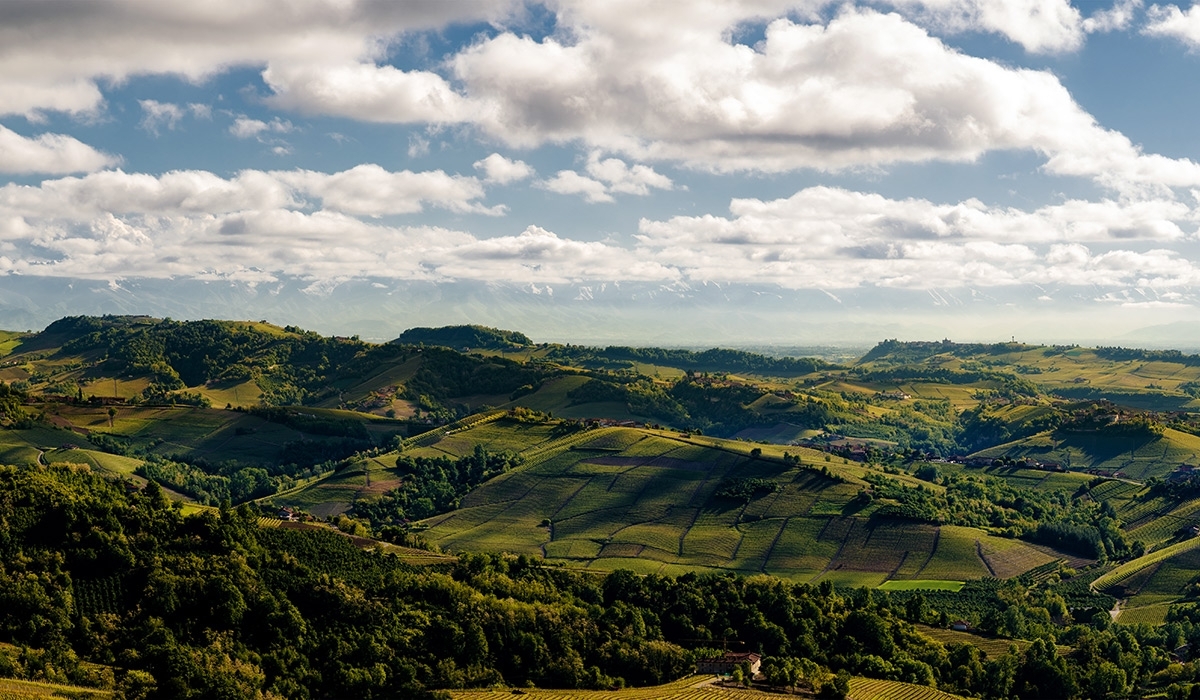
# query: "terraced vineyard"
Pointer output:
{"type": "Point", "coordinates": [1125, 571]}
{"type": "Point", "coordinates": [874, 689]}
{"type": "Point", "coordinates": [691, 688]}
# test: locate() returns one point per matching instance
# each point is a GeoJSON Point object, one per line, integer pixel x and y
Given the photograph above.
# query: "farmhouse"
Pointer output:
{"type": "Point", "coordinates": [725, 663]}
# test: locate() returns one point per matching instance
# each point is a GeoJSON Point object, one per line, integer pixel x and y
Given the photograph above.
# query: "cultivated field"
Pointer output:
{"type": "Point", "coordinates": [1132, 456]}
{"type": "Point", "coordinates": [1120, 575]}
{"type": "Point", "coordinates": [645, 500]}
{"type": "Point", "coordinates": [694, 689]}
{"type": "Point", "coordinates": [691, 688]}
{"type": "Point", "coordinates": [874, 689]}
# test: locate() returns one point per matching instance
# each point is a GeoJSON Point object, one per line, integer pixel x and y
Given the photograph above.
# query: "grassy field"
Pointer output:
{"type": "Point", "coordinates": [12, 689]}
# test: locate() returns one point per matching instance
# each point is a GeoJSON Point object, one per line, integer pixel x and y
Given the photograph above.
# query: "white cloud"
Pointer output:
{"type": "Point", "coordinates": [867, 89]}
{"type": "Point", "coordinates": [54, 54]}
{"type": "Point", "coordinates": [863, 89]}
{"type": "Point", "coordinates": [372, 191]}
{"type": "Point", "coordinates": [244, 127]}
{"type": "Point", "coordinates": [1039, 26]}
{"type": "Point", "coordinates": [1115, 18]}
{"type": "Point", "coordinates": [366, 190]}
{"type": "Point", "coordinates": [48, 153]}
{"type": "Point", "coordinates": [831, 238]}
{"type": "Point", "coordinates": [608, 176]}
{"type": "Point", "coordinates": [619, 177]}
{"type": "Point", "coordinates": [156, 115]}
{"type": "Point", "coordinates": [503, 171]}
{"type": "Point", "coordinates": [571, 182]}
{"type": "Point", "coordinates": [418, 147]}
{"type": "Point", "coordinates": [113, 192]}
{"type": "Point", "coordinates": [1170, 21]}
{"type": "Point", "coordinates": [366, 92]}
{"type": "Point", "coordinates": [261, 225]}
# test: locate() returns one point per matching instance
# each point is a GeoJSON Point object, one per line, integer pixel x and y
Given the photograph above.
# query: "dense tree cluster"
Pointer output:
{"type": "Point", "coordinates": [464, 336]}
{"type": "Point", "coordinates": [433, 485]}
{"type": "Point", "coordinates": [1068, 522]}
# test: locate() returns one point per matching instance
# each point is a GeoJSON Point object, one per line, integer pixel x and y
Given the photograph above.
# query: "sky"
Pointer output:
{"type": "Point", "coordinates": [734, 172]}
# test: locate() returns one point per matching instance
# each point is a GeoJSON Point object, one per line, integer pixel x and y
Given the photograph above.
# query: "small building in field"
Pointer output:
{"type": "Point", "coordinates": [961, 626]}
{"type": "Point", "coordinates": [724, 664]}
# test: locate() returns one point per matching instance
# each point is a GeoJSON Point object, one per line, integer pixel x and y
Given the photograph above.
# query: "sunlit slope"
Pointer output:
{"type": "Point", "coordinates": [1149, 585]}
{"type": "Point", "coordinates": [648, 500]}
{"type": "Point", "coordinates": [1134, 456]}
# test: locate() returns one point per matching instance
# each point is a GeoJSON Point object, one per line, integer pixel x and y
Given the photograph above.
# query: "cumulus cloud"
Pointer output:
{"type": "Point", "coordinates": [650, 83]}
{"type": "Point", "coordinates": [503, 171]}
{"type": "Point", "coordinates": [366, 92]}
{"type": "Point", "coordinates": [54, 55]}
{"type": "Point", "coordinates": [253, 226]}
{"type": "Point", "coordinates": [1115, 18]}
{"type": "Point", "coordinates": [370, 190]}
{"type": "Point", "coordinates": [367, 190]}
{"type": "Point", "coordinates": [258, 226]}
{"type": "Point", "coordinates": [1039, 26]}
{"type": "Point", "coordinates": [156, 115]}
{"type": "Point", "coordinates": [571, 182]}
{"type": "Point", "coordinates": [606, 176]}
{"type": "Point", "coordinates": [48, 153]}
{"type": "Point", "coordinates": [244, 127]}
{"type": "Point", "coordinates": [1170, 21]}
{"type": "Point", "coordinates": [865, 89]}
{"type": "Point", "coordinates": [620, 177]}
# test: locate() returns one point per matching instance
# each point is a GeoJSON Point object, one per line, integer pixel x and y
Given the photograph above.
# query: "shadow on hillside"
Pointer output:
{"type": "Point", "coordinates": [1099, 448]}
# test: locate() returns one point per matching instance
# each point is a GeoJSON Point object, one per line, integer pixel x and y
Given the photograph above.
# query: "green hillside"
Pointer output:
{"type": "Point", "coordinates": [660, 501]}
{"type": "Point", "coordinates": [1133, 456]}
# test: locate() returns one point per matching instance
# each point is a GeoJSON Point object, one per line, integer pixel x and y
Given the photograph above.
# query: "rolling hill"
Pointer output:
{"type": "Point", "coordinates": [653, 501]}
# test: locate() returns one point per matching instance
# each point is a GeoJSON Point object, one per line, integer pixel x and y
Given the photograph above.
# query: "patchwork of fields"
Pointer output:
{"type": "Point", "coordinates": [646, 500]}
